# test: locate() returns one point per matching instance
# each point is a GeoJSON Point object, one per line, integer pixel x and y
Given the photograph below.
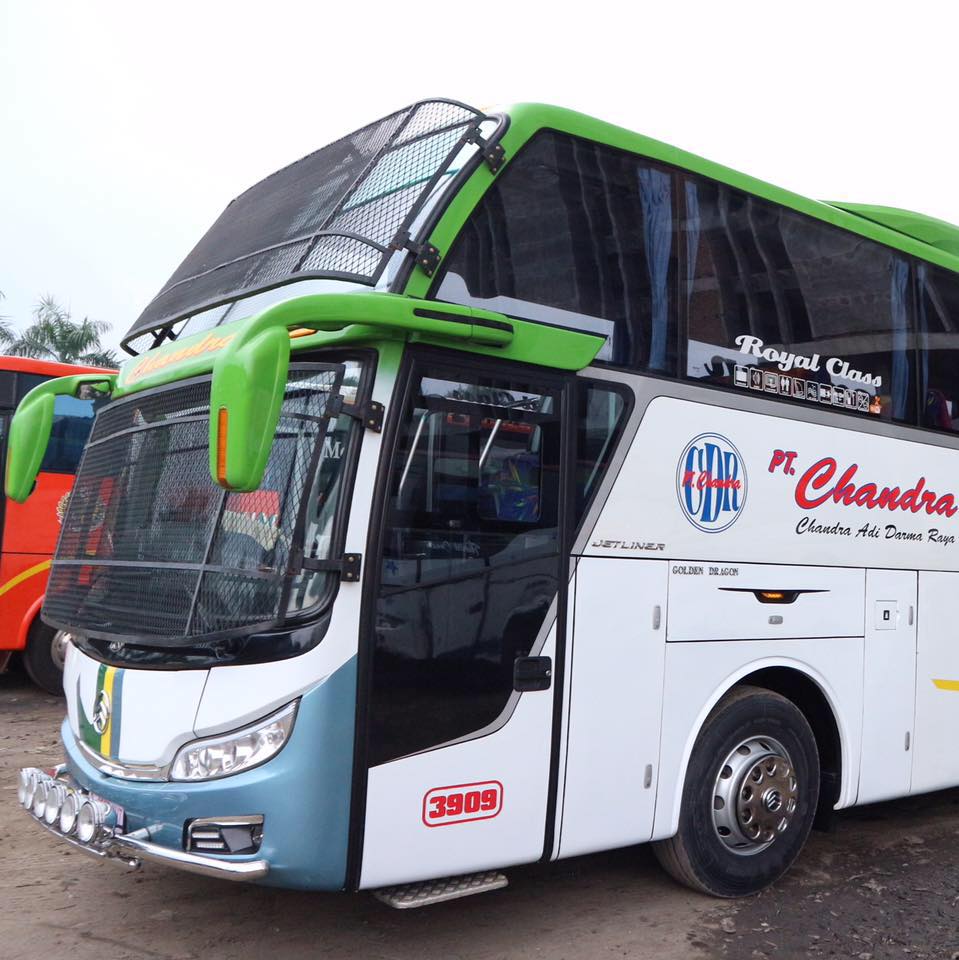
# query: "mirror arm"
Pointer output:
{"type": "Point", "coordinates": [32, 423]}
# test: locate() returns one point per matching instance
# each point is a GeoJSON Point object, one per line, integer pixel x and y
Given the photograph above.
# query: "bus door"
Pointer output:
{"type": "Point", "coordinates": [466, 629]}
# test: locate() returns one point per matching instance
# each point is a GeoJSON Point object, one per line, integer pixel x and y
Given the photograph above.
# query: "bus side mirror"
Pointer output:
{"type": "Point", "coordinates": [246, 394]}
{"type": "Point", "coordinates": [31, 426]}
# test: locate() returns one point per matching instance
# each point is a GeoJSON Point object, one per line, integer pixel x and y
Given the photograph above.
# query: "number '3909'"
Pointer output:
{"type": "Point", "coordinates": [462, 803]}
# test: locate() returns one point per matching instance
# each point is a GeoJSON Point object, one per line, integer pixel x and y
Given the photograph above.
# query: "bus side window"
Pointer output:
{"type": "Point", "coordinates": [939, 340]}
{"type": "Point", "coordinates": [579, 235]}
{"type": "Point", "coordinates": [599, 423]}
{"type": "Point", "coordinates": [72, 421]}
{"type": "Point", "coordinates": [8, 396]}
{"type": "Point", "coordinates": [762, 277]}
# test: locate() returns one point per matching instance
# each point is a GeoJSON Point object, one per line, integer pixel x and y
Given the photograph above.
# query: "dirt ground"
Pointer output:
{"type": "Point", "coordinates": [883, 884]}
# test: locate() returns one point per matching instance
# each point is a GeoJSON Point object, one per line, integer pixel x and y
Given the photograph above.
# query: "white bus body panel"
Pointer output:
{"type": "Point", "coordinates": [889, 685]}
{"type": "Point", "coordinates": [936, 760]}
{"type": "Point", "coordinates": [643, 509]}
{"type": "Point", "coordinates": [158, 707]}
{"type": "Point", "coordinates": [718, 602]}
{"type": "Point", "coordinates": [789, 532]}
{"type": "Point", "coordinates": [399, 846]}
{"type": "Point", "coordinates": [616, 683]}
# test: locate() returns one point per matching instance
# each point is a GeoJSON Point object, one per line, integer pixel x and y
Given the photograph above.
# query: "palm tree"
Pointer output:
{"type": "Point", "coordinates": [55, 335]}
{"type": "Point", "coordinates": [6, 331]}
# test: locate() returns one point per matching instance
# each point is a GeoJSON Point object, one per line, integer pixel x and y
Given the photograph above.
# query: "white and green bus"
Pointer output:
{"type": "Point", "coordinates": [485, 489]}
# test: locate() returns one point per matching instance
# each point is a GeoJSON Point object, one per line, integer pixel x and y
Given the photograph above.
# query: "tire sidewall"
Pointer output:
{"type": "Point", "coordinates": [38, 659]}
{"type": "Point", "coordinates": [723, 872]}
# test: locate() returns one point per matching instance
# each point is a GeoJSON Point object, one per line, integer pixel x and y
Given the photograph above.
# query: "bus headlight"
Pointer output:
{"type": "Point", "coordinates": [68, 813]}
{"type": "Point", "coordinates": [234, 752]}
{"type": "Point", "coordinates": [95, 819]}
{"type": "Point", "coordinates": [56, 794]}
{"type": "Point", "coordinates": [29, 778]}
{"type": "Point", "coordinates": [40, 797]}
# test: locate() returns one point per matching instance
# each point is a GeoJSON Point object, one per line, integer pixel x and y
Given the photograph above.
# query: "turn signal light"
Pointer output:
{"type": "Point", "coordinates": [776, 596]}
{"type": "Point", "coordinates": [221, 426]}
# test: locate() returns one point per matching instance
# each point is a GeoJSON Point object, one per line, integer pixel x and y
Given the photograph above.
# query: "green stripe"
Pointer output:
{"type": "Point", "coordinates": [117, 711]}
{"type": "Point", "coordinates": [87, 734]}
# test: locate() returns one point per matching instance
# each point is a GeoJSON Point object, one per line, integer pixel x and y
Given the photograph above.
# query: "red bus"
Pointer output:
{"type": "Point", "coordinates": [29, 531]}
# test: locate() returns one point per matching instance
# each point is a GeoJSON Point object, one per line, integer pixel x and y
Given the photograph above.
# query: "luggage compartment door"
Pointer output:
{"type": "Point", "coordinates": [615, 672]}
{"type": "Point", "coordinates": [889, 685]}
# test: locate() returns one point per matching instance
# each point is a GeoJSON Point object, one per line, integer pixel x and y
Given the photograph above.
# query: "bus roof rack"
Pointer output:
{"type": "Point", "coordinates": [937, 233]}
{"type": "Point", "coordinates": [339, 213]}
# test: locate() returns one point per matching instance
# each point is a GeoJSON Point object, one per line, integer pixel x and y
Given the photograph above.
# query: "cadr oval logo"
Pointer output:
{"type": "Point", "coordinates": [711, 482]}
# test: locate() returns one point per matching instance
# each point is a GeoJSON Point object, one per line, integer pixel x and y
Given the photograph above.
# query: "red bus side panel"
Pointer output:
{"type": "Point", "coordinates": [30, 532]}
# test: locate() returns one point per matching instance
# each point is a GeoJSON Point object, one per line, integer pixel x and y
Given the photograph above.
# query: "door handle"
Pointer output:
{"type": "Point", "coordinates": [532, 673]}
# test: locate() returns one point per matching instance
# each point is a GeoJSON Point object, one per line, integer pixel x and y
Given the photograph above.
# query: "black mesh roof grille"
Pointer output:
{"type": "Point", "coordinates": [152, 549]}
{"type": "Point", "coordinates": [332, 214]}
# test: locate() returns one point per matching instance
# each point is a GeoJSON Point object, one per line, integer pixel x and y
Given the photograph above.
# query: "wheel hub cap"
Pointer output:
{"type": "Point", "coordinates": [755, 795]}
{"type": "Point", "coordinates": [58, 648]}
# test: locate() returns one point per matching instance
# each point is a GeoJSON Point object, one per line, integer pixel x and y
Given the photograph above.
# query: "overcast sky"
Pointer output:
{"type": "Point", "coordinates": [126, 127]}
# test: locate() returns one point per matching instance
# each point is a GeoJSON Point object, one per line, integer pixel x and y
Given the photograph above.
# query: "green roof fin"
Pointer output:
{"type": "Point", "coordinates": [937, 233]}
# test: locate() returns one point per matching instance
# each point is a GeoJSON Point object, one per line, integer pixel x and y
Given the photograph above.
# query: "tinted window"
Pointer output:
{"type": "Point", "coordinates": [72, 420]}
{"type": "Point", "coordinates": [578, 235]}
{"type": "Point", "coordinates": [27, 381]}
{"type": "Point", "coordinates": [8, 396]}
{"type": "Point", "coordinates": [599, 422]}
{"type": "Point", "coordinates": [939, 337]}
{"type": "Point", "coordinates": [787, 305]}
{"type": "Point", "coordinates": [471, 557]}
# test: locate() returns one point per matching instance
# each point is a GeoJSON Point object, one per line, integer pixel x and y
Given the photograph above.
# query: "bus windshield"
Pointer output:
{"type": "Point", "coordinates": [153, 553]}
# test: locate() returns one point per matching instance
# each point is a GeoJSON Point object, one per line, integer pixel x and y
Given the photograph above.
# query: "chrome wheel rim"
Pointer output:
{"type": "Point", "coordinates": [58, 648]}
{"type": "Point", "coordinates": [755, 795]}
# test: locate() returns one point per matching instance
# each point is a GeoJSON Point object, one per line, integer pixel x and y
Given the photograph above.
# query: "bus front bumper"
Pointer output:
{"type": "Point", "coordinates": [283, 823]}
{"type": "Point", "coordinates": [101, 836]}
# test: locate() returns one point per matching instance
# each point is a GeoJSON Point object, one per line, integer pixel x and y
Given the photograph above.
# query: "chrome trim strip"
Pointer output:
{"type": "Point", "coordinates": [132, 848]}
{"type": "Point", "coordinates": [122, 771]}
{"type": "Point", "coordinates": [250, 820]}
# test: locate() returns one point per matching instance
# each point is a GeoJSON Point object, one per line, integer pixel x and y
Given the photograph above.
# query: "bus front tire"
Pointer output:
{"type": "Point", "coordinates": [750, 796]}
{"type": "Point", "coordinates": [43, 658]}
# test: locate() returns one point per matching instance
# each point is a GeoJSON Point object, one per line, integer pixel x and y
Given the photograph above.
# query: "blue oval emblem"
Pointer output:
{"type": "Point", "coordinates": [711, 482]}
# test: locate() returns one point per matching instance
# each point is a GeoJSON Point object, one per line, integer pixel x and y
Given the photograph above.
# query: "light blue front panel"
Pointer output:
{"type": "Point", "coordinates": [303, 792]}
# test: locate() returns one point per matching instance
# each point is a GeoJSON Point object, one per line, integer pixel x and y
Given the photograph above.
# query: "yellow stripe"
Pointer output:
{"type": "Point", "coordinates": [108, 679]}
{"type": "Point", "coordinates": [25, 575]}
{"type": "Point", "coordinates": [947, 684]}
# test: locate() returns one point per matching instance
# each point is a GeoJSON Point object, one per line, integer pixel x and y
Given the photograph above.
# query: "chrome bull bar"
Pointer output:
{"type": "Point", "coordinates": [90, 824]}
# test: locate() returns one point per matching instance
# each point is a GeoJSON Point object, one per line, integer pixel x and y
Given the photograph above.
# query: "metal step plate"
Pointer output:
{"type": "Point", "coordinates": [405, 896]}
